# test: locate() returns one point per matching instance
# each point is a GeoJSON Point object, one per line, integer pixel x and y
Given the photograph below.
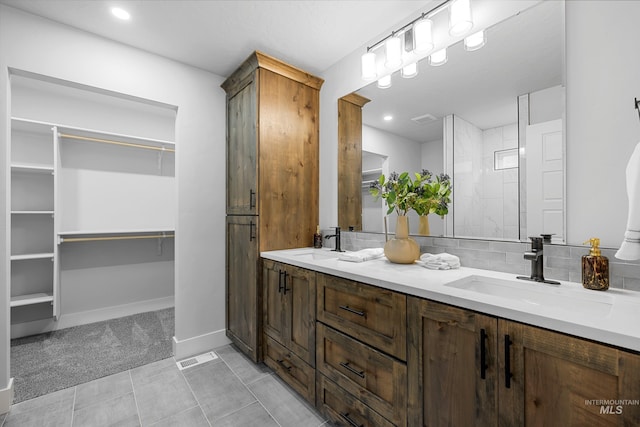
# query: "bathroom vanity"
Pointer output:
{"type": "Point", "coordinates": [401, 345]}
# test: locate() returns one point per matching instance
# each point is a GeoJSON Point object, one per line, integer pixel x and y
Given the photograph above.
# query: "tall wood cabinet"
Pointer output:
{"type": "Point", "coordinates": [272, 180]}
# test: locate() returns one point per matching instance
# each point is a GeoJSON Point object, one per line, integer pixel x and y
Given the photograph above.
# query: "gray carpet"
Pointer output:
{"type": "Point", "coordinates": [52, 361]}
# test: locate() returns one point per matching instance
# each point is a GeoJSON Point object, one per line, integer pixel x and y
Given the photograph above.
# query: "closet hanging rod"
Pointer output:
{"type": "Point", "coordinates": [108, 141]}
{"type": "Point", "coordinates": [98, 239]}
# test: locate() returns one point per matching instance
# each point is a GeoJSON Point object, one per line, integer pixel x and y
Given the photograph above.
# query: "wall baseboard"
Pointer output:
{"type": "Point", "coordinates": [6, 397]}
{"type": "Point", "coordinates": [199, 344]}
{"type": "Point", "coordinates": [91, 316]}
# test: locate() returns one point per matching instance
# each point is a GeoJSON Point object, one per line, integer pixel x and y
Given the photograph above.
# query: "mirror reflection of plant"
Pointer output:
{"type": "Point", "coordinates": [432, 194]}
{"type": "Point", "coordinates": [397, 192]}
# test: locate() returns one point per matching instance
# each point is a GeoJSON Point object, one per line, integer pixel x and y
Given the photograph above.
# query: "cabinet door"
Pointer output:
{"type": "Point", "coordinates": [242, 183]}
{"type": "Point", "coordinates": [274, 303]}
{"type": "Point", "coordinates": [300, 291]}
{"type": "Point", "coordinates": [547, 378]}
{"type": "Point", "coordinates": [244, 302]}
{"type": "Point", "coordinates": [288, 170]}
{"type": "Point", "coordinates": [447, 346]}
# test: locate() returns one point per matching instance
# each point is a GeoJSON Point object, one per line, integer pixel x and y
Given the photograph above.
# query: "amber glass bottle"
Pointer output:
{"type": "Point", "coordinates": [595, 268]}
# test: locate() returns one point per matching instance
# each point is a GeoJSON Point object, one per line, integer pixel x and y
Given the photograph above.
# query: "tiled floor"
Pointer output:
{"type": "Point", "coordinates": [230, 391]}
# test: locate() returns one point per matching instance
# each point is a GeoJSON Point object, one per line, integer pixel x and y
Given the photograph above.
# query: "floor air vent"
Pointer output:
{"type": "Point", "coordinates": [196, 360]}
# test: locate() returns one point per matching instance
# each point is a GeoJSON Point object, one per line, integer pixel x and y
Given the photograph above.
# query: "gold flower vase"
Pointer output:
{"type": "Point", "coordinates": [402, 249]}
{"type": "Point", "coordinates": [423, 225]}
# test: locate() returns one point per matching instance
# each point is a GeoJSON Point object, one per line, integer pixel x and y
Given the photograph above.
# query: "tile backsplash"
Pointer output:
{"type": "Point", "coordinates": [561, 262]}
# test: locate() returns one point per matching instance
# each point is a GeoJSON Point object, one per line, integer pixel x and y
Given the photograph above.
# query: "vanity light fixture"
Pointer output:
{"type": "Point", "coordinates": [120, 13]}
{"type": "Point", "coordinates": [475, 41]}
{"type": "Point", "coordinates": [418, 35]}
{"type": "Point", "coordinates": [393, 52]}
{"type": "Point", "coordinates": [384, 82]}
{"type": "Point", "coordinates": [438, 58]}
{"type": "Point", "coordinates": [460, 17]}
{"type": "Point", "coordinates": [423, 35]}
{"type": "Point", "coordinates": [369, 66]}
{"type": "Point", "coordinates": [410, 70]}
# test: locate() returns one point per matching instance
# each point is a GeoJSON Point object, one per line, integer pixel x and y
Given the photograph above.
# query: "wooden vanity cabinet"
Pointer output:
{"type": "Point", "coordinates": [466, 368]}
{"type": "Point", "coordinates": [290, 324]}
{"type": "Point", "coordinates": [272, 178]}
{"type": "Point", "coordinates": [361, 353]}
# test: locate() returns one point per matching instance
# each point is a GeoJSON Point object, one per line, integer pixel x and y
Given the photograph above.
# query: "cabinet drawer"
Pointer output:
{"type": "Point", "coordinates": [379, 381]}
{"type": "Point", "coordinates": [343, 409]}
{"type": "Point", "coordinates": [293, 370]}
{"type": "Point", "coordinates": [373, 315]}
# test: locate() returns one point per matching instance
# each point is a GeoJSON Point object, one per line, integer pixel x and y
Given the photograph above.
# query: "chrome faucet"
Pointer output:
{"type": "Point", "coordinates": [536, 256]}
{"type": "Point", "coordinates": [337, 236]}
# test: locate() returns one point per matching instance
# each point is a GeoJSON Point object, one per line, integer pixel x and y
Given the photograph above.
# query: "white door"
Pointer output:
{"type": "Point", "coordinates": [546, 180]}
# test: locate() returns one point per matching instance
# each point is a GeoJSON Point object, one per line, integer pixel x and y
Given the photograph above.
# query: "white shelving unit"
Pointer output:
{"type": "Point", "coordinates": [32, 214]}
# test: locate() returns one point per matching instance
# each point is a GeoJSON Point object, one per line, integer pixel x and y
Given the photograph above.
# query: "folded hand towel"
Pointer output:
{"type": "Point", "coordinates": [630, 248]}
{"type": "Point", "coordinates": [362, 255]}
{"type": "Point", "coordinates": [443, 261]}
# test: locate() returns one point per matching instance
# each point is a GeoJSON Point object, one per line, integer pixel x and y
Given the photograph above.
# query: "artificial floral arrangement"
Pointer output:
{"type": "Point", "coordinates": [424, 194]}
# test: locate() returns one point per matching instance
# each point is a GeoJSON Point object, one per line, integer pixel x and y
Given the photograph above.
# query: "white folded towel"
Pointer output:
{"type": "Point", "coordinates": [362, 255]}
{"type": "Point", "coordinates": [443, 261]}
{"type": "Point", "coordinates": [630, 248]}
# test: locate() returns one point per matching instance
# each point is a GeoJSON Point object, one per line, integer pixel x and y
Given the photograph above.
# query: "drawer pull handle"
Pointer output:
{"type": "Point", "coordinates": [507, 361]}
{"type": "Point", "coordinates": [348, 367]}
{"type": "Point", "coordinates": [350, 421]}
{"type": "Point", "coordinates": [483, 354]}
{"type": "Point", "coordinates": [284, 365]}
{"type": "Point", "coordinates": [280, 286]}
{"type": "Point", "coordinates": [351, 310]}
{"type": "Point", "coordinates": [252, 199]}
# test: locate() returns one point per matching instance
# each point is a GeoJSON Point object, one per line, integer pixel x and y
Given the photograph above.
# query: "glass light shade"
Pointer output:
{"type": "Point", "coordinates": [384, 82]}
{"type": "Point", "coordinates": [410, 70]}
{"type": "Point", "coordinates": [475, 41]}
{"type": "Point", "coordinates": [438, 58]}
{"type": "Point", "coordinates": [460, 17]}
{"type": "Point", "coordinates": [369, 66]}
{"type": "Point", "coordinates": [423, 36]}
{"type": "Point", "coordinates": [393, 52]}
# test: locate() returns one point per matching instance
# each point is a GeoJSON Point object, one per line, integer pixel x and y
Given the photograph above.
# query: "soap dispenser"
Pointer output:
{"type": "Point", "coordinates": [595, 268]}
{"type": "Point", "coordinates": [317, 238]}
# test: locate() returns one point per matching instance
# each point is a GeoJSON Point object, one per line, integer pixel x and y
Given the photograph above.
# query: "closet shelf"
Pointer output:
{"type": "Point", "coordinates": [31, 256]}
{"type": "Point", "coordinates": [31, 168]}
{"type": "Point", "coordinates": [30, 299]}
{"type": "Point", "coordinates": [31, 212]}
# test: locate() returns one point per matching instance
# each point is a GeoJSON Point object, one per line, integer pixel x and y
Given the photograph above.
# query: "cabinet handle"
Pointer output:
{"type": "Point", "coordinates": [284, 283]}
{"type": "Point", "coordinates": [284, 365]}
{"type": "Point", "coordinates": [348, 419]}
{"type": "Point", "coordinates": [280, 287]}
{"type": "Point", "coordinates": [483, 354]}
{"type": "Point", "coordinates": [351, 310]}
{"type": "Point", "coordinates": [252, 228]}
{"type": "Point", "coordinates": [252, 199]}
{"type": "Point", "coordinates": [507, 361]}
{"type": "Point", "coordinates": [348, 367]}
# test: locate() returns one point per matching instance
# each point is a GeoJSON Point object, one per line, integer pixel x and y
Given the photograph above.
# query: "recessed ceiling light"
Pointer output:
{"type": "Point", "coordinates": [388, 118]}
{"type": "Point", "coordinates": [120, 13]}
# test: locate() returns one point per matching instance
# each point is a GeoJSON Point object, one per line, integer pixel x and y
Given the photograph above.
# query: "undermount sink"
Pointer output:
{"type": "Point", "coordinates": [318, 254]}
{"type": "Point", "coordinates": [537, 294]}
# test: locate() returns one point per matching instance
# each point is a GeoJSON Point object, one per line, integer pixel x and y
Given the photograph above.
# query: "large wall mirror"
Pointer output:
{"type": "Point", "coordinates": [493, 119]}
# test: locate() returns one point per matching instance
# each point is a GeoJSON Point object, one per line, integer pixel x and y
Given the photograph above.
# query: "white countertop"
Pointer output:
{"type": "Point", "coordinates": [611, 317]}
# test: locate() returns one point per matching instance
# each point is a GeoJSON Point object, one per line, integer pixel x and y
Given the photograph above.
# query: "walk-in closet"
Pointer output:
{"type": "Point", "coordinates": [92, 205]}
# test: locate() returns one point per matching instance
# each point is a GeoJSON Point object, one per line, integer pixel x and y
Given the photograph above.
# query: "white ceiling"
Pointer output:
{"type": "Point", "coordinates": [218, 35]}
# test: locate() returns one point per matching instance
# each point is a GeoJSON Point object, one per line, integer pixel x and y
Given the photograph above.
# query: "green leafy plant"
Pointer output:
{"type": "Point", "coordinates": [425, 194]}
{"type": "Point", "coordinates": [432, 194]}
{"type": "Point", "coordinates": [397, 192]}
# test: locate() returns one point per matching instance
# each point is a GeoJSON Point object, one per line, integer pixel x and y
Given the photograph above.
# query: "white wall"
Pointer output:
{"type": "Point", "coordinates": [37, 45]}
{"type": "Point", "coordinates": [603, 77]}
